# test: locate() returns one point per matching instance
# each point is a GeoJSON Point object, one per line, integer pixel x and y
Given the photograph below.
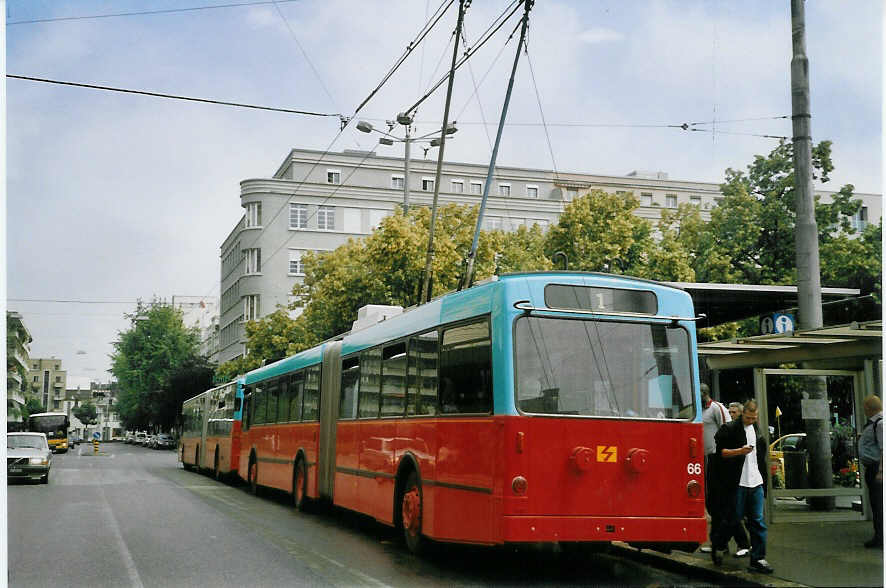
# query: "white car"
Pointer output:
{"type": "Point", "coordinates": [28, 456]}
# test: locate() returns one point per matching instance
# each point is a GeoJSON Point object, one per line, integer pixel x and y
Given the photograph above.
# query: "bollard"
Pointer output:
{"type": "Point", "coordinates": [95, 446]}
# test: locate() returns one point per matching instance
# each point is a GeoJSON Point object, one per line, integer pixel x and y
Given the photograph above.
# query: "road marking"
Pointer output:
{"type": "Point", "coordinates": [128, 562]}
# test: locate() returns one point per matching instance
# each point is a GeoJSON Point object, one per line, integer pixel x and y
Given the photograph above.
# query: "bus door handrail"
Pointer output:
{"type": "Point", "coordinates": [526, 307]}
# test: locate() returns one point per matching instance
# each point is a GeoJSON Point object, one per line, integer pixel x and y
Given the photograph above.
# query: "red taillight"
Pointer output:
{"type": "Point", "coordinates": [693, 488]}
{"type": "Point", "coordinates": [519, 485]}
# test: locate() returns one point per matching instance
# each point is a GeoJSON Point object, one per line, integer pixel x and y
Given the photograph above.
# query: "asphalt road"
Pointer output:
{"type": "Point", "coordinates": [133, 517]}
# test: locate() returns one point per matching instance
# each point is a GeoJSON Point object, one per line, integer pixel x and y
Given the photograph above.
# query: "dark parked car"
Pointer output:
{"type": "Point", "coordinates": [163, 441]}
{"type": "Point", "coordinates": [28, 456]}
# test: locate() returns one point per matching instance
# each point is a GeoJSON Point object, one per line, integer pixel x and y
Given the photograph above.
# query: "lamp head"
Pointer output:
{"type": "Point", "coordinates": [364, 127]}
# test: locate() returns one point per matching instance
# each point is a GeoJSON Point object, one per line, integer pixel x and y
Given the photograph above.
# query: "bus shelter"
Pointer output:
{"type": "Point", "coordinates": [809, 386]}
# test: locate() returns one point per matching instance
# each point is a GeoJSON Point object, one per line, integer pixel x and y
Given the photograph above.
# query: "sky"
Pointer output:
{"type": "Point", "coordinates": [113, 197]}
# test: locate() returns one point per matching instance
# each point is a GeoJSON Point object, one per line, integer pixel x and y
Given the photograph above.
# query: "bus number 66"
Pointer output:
{"type": "Point", "coordinates": [693, 469]}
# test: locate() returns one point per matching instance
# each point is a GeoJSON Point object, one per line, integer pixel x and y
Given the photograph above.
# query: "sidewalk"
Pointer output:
{"type": "Point", "coordinates": [803, 554]}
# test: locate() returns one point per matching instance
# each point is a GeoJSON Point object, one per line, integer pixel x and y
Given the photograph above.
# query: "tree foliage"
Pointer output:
{"type": "Point", "coordinates": [145, 357]}
{"type": "Point", "coordinates": [86, 413]}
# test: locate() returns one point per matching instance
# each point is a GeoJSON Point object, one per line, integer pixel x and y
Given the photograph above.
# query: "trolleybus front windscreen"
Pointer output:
{"type": "Point", "coordinates": [603, 368]}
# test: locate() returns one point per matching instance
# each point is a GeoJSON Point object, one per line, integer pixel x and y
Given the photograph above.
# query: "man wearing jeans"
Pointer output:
{"type": "Point", "coordinates": [739, 468]}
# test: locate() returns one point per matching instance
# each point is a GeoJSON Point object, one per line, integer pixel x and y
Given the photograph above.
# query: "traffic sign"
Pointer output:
{"type": "Point", "coordinates": [777, 323]}
{"type": "Point", "coordinates": [96, 435]}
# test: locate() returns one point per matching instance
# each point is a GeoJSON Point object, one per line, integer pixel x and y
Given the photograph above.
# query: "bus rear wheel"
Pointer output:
{"type": "Point", "coordinates": [215, 470]}
{"type": "Point", "coordinates": [185, 464]}
{"type": "Point", "coordinates": [411, 506]}
{"type": "Point", "coordinates": [252, 476]}
{"type": "Point", "coordinates": [300, 486]}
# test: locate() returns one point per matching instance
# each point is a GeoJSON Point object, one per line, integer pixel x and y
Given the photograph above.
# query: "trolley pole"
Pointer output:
{"type": "Point", "coordinates": [425, 294]}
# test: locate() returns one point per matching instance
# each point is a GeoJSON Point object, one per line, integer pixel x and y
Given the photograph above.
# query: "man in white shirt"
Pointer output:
{"type": "Point", "coordinates": [739, 468]}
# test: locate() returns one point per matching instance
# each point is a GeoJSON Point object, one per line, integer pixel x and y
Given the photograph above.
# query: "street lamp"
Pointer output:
{"type": "Point", "coordinates": [389, 139]}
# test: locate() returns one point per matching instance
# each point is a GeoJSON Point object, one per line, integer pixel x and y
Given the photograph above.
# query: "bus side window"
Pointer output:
{"type": "Point", "coordinates": [422, 378]}
{"type": "Point", "coordinates": [294, 395]}
{"type": "Point", "coordinates": [466, 369]}
{"type": "Point", "coordinates": [260, 405]}
{"type": "Point", "coordinates": [312, 394]}
{"type": "Point", "coordinates": [350, 381]}
{"type": "Point", "coordinates": [370, 384]}
{"type": "Point", "coordinates": [393, 380]}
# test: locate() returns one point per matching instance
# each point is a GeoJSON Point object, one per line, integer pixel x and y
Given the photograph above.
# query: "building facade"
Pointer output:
{"type": "Point", "coordinates": [18, 341]}
{"type": "Point", "coordinates": [316, 202]}
{"type": "Point", "coordinates": [48, 382]}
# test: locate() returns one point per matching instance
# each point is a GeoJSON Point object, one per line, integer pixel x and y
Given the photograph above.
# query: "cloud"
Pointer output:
{"type": "Point", "coordinates": [600, 35]}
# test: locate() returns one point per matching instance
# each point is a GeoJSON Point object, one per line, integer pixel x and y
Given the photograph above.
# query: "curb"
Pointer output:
{"type": "Point", "coordinates": [687, 564]}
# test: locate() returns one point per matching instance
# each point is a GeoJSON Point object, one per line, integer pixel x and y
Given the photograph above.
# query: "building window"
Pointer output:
{"type": "Point", "coordinates": [36, 378]}
{"type": "Point", "coordinates": [458, 186]}
{"type": "Point", "coordinates": [504, 190]}
{"type": "Point", "coordinates": [296, 265]}
{"type": "Point", "coordinates": [571, 194]}
{"type": "Point", "coordinates": [397, 182]}
{"type": "Point", "coordinates": [252, 259]}
{"type": "Point", "coordinates": [671, 200]}
{"type": "Point", "coordinates": [427, 184]}
{"type": "Point", "coordinates": [298, 216]}
{"type": "Point", "coordinates": [326, 218]}
{"type": "Point", "coordinates": [476, 188]}
{"type": "Point", "coordinates": [695, 201]}
{"type": "Point", "coordinates": [532, 191]}
{"type": "Point", "coordinates": [333, 176]}
{"type": "Point", "coordinates": [352, 220]}
{"type": "Point", "coordinates": [375, 217]}
{"type": "Point", "coordinates": [646, 198]}
{"type": "Point", "coordinates": [860, 219]}
{"type": "Point", "coordinates": [251, 307]}
{"type": "Point", "coordinates": [253, 214]}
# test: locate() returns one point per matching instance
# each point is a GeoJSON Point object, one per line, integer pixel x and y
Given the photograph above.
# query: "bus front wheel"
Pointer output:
{"type": "Point", "coordinates": [411, 505]}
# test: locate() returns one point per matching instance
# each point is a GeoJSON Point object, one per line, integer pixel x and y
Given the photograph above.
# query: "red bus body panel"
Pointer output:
{"type": "Point", "coordinates": [276, 448]}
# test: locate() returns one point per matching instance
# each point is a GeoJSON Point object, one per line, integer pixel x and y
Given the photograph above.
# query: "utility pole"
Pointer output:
{"type": "Point", "coordinates": [425, 293]}
{"type": "Point", "coordinates": [808, 265]}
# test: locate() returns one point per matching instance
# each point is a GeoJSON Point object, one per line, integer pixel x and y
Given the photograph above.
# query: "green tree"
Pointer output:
{"type": "Point", "coordinates": [600, 232]}
{"type": "Point", "coordinates": [191, 377]}
{"type": "Point", "coordinates": [86, 413]}
{"type": "Point", "coordinates": [855, 262]}
{"type": "Point", "coordinates": [145, 356]}
{"type": "Point", "coordinates": [32, 406]}
{"type": "Point", "coordinates": [750, 238]}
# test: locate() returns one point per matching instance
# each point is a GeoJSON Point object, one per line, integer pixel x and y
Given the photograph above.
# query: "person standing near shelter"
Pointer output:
{"type": "Point", "coordinates": [713, 417]}
{"type": "Point", "coordinates": [870, 450]}
{"type": "Point", "coordinates": [739, 467]}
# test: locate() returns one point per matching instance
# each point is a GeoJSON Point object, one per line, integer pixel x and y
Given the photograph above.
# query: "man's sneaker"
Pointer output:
{"type": "Point", "coordinates": [717, 557]}
{"type": "Point", "coordinates": [706, 549]}
{"type": "Point", "coordinates": [741, 552]}
{"type": "Point", "coordinates": [874, 543]}
{"type": "Point", "coordinates": [760, 565]}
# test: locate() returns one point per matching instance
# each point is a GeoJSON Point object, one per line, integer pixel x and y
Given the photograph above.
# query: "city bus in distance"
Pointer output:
{"type": "Point", "coordinates": [535, 407]}
{"type": "Point", "coordinates": [211, 430]}
{"type": "Point", "coordinates": [54, 425]}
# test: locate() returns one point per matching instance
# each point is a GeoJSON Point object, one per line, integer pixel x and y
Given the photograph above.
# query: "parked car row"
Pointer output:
{"type": "Point", "coordinates": [158, 441]}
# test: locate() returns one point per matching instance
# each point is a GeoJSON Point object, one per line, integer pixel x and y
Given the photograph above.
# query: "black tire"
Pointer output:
{"type": "Point", "coordinates": [197, 458]}
{"type": "Point", "coordinates": [411, 512]}
{"type": "Point", "coordinates": [300, 486]}
{"type": "Point", "coordinates": [252, 476]}
{"type": "Point", "coordinates": [215, 471]}
{"type": "Point", "coordinates": [185, 464]}
{"type": "Point", "coordinates": [45, 479]}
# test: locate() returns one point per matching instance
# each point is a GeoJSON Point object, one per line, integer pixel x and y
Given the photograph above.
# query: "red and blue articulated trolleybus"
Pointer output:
{"type": "Point", "coordinates": [535, 407]}
{"type": "Point", "coordinates": [211, 430]}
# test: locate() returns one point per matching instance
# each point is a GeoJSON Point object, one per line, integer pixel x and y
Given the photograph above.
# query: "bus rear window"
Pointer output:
{"type": "Point", "coordinates": [596, 368]}
{"type": "Point", "coordinates": [600, 299]}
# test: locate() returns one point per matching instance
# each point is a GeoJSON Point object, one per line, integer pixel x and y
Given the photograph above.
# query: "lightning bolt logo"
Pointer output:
{"type": "Point", "coordinates": [607, 453]}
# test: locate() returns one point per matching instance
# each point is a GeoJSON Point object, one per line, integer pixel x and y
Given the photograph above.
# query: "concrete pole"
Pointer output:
{"type": "Point", "coordinates": [407, 142]}
{"type": "Point", "coordinates": [808, 265]}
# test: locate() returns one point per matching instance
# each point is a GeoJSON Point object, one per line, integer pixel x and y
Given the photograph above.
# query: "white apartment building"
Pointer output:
{"type": "Point", "coordinates": [18, 341]}
{"type": "Point", "coordinates": [316, 203]}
